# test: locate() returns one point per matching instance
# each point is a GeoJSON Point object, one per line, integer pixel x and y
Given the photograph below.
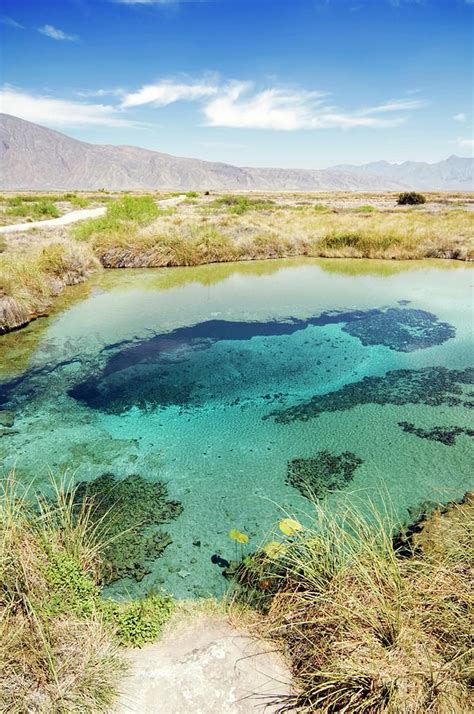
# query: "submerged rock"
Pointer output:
{"type": "Point", "coordinates": [323, 473]}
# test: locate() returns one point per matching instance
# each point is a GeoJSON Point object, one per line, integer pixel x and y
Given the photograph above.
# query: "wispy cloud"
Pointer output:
{"type": "Point", "coordinates": [167, 92]}
{"type": "Point", "coordinates": [466, 143]}
{"type": "Point", "coordinates": [56, 34]}
{"type": "Point", "coordinates": [10, 22]}
{"type": "Point", "coordinates": [52, 111]}
{"type": "Point", "coordinates": [460, 117]}
{"type": "Point", "coordinates": [395, 105]}
{"type": "Point", "coordinates": [238, 106]}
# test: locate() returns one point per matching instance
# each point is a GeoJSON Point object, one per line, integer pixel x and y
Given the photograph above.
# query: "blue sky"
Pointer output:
{"type": "Point", "coordinates": [303, 83]}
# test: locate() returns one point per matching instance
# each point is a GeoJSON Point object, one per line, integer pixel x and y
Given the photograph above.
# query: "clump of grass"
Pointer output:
{"type": "Point", "coordinates": [367, 208]}
{"type": "Point", "coordinates": [60, 640]}
{"type": "Point", "coordinates": [30, 281]}
{"type": "Point", "coordinates": [123, 215]}
{"type": "Point", "coordinates": [75, 200]}
{"type": "Point", "coordinates": [36, 210]}
{"type": "Point", "coordinates": [192, 194]}
{"type": "Point", "coordinates": [321, 208]}
{"type": "Point", "coordinates": [365, 629]}
{"type": "Point", "coordinates": [241, 204]}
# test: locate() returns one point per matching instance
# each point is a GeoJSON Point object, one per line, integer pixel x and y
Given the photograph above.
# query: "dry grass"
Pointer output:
{"type": "Point", "coordinates": [29, 281]}
{"type": "Point", "coordinates": [369, 631]}
{"type": "Point", "coordinates": [56, 654]}
{"type": "Point", "coordinates": [189, 239]}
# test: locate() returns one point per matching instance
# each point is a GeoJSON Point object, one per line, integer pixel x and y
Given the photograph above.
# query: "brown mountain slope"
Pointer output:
{"type": "Point", "coordinates": [34, 157]}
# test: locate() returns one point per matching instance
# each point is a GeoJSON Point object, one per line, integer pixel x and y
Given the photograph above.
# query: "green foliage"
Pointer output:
{"type": "Point", "coordinates": [139, 621]}
{"type": "Point", "coordinates": [241, 204]}
{"type": "Point", "coordinates": [133, 208]}
{"type": "Point", "coordinates": [133, 508]}
{"type": "Point", "coordinates": [410, 198]}
{"type": "Point", "coordinates": [72, 590]}
{"type": "Point", "coordinates": [38, 209]}
{"type": "Point", "coordinates": [192, 194]}
{"type": "Point", "coordinates": [321, 208]}
{"type": "Point", "coordinates": [77, 201]}
{"type": "Point", "coordinates": [122, 216]}
{"type": "Point", "coordinates": [365, 209]}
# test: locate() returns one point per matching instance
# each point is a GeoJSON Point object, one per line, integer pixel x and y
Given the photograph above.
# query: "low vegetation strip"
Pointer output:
{"type": "Point", "coordinates": [135, 232]}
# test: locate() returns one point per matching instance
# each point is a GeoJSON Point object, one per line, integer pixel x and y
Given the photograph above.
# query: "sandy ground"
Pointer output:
{"type": "Point", "coordinates": [74, 216]}
{"type": "Point", "coordinates": [204, 666]}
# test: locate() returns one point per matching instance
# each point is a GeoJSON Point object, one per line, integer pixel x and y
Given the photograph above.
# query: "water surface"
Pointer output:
{"type": "Point", "coordinates": [228, 381]}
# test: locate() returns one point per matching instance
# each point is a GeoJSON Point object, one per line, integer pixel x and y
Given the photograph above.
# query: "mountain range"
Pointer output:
{"type": "Point", "coordinates": [33, 157]}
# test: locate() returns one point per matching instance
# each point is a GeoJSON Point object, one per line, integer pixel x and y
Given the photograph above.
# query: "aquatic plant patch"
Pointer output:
{"type": "Point", "coordinates": [444, 434]}
{"type": "Point", "coordinates": [322, 473]}
{"type": "Point", "coordinates": [433, 386]}
{"type": "Point", "coordinates": [133, 507]}
{"type": "Point", "coordinates": [404, 330]}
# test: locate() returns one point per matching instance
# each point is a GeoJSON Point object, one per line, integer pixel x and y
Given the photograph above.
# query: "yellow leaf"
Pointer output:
{"type": "Point", "coordinates": [274, 549]}
{"type": "Point", "coordinates": [234, 534]}
{"type": "Point", "coordinates": [289, 526]}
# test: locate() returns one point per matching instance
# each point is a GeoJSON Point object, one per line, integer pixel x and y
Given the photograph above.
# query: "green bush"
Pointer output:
{"type": "Point", "coordinates": [192, 194]}
{"type": "Point", "coordinates": [139, 621]}
{"type": "Point", "coordinates": [133, 208]}
{"type": "Point", "coordinates": [410, 198]}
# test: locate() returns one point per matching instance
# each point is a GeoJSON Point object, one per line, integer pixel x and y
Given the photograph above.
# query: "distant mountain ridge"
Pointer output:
{"type": "Point", "coordinates": [37, 158]}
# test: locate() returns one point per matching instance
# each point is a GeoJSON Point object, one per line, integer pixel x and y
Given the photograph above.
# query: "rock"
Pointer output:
{"type": "Point", "coordinates": [7, 417]}
{"type": "Point", "coordinates": [204, 667]}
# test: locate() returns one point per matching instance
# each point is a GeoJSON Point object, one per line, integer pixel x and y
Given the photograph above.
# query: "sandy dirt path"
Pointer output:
{"type": "Point", "coordinates": [205, 666]}
{"type": "Point", "coordinates": [74, 216]}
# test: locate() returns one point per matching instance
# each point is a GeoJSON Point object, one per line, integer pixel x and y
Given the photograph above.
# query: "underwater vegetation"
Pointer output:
{"type": "Point", "coordinates": [444, 434]}
{"type": "Point", "coordinates": [166, 369]}
{"type": "Point", "coordinates": [134, 507]}
{"type": "Point", "coordinates": [318, 475]}
{"type": "Point", "coordinates": [433, 386]}
{"type": "Point", "coordinates": [401, 330]}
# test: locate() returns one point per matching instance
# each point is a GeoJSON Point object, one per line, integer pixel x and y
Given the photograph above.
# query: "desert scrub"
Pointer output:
{"type": "Point", "coordinates": [30, 281]}
{"type": "Point", "coordinates": [242, 204]}
{"type": "Point", "coordinates": [123, 214]}
{"type": "Point", "coordinates": [367, 630]}
{"type": "Point", "coordinates": [411, 198]}
{"type": "Point", "coordinates": [34, 210]}
{"type": "Point", "coordinates": [60, 639]}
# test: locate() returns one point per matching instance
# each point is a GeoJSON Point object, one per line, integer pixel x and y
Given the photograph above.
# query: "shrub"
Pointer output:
{"type": "Point", "coordinates": [410, 198]}
{"type": "Point", "coordinates": [133, 208]}
{"type": "Point", "coordinates": [192, 194]}
{"type": "Point", "coordinates": [139, 621]}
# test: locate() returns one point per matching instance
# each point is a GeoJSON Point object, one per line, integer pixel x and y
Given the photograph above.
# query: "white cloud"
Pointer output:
{"type": "Point", "coordinates": [11, 23]}
{"type": "Point", "coordinates": [59, 112]}
{"type": "Point", "coordinates": [466, 143]}
{"type": "Point", "coordinates": [288, 110]}
{"type": "Point", "coordinates": [167, 92]}
{"type": "Point", "coordinates": [395, 105]}
{"type": "Point", "coordinates": [56, 34]}
{"type": "Point", "coordinates": [460, 117]}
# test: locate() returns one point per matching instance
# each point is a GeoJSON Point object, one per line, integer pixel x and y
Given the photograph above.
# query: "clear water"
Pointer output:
{"type": "Point", "coordinates": [213, 379]}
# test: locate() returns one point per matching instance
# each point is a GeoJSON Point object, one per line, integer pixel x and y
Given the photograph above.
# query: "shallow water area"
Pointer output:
{"type": "Point", "coordinates": [224, 379]}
